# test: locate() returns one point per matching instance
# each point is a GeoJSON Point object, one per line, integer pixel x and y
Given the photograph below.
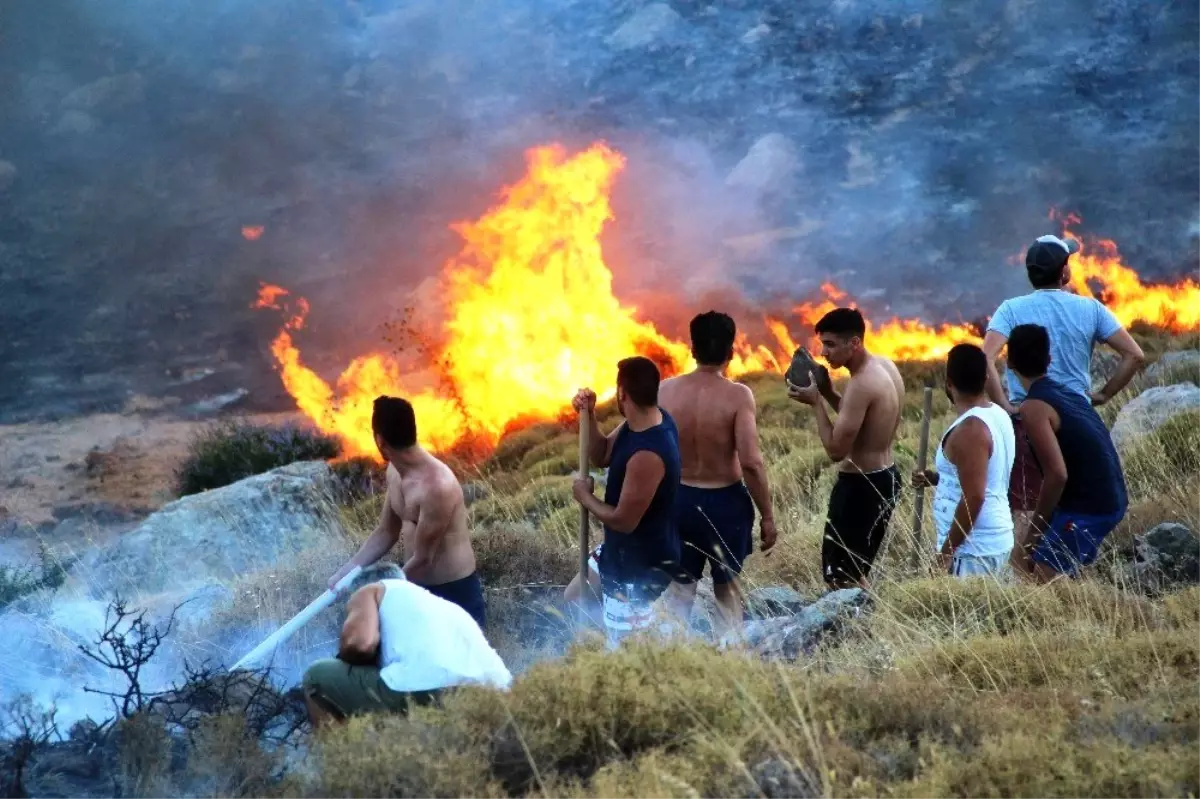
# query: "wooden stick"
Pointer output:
{"type": "Point", "coordinates": [922, 463]}
{"type": "Point", "coordinates": [585, 585]}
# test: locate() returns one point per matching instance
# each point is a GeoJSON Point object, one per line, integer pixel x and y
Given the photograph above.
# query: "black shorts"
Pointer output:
{"type": "Point", "coordinates": [860, 508]}
{"type": "Point", "coordinates": [716, 526]}
{"type": "Point", "coordinates": [467, 593]}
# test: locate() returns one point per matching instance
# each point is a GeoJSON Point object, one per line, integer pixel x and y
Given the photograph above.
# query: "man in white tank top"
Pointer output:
{"type": "Point", "coordinates": [973, 466]}
{"type": "Point", "coordinates": [400, 645]}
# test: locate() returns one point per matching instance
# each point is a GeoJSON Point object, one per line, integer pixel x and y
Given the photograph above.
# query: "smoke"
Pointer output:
{"type": "Point", "coordinates": [924, 145]}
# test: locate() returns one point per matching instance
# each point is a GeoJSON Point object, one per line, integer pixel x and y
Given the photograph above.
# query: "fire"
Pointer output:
{"type": "Point", "coordinates": [530, 316]}
{"type": "Point", "coordinates": [252, 232]}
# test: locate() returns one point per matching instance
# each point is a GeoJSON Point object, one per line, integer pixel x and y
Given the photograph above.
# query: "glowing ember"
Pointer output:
{"type": "Point", "coordinates": [252, 232]}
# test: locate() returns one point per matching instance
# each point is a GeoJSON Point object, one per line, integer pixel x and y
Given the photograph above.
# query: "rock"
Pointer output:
{"type": "Point", "coordinates": [1104, 363]}
{"type": "Point", "coordinates": [1146, 412]}
{"type": "Point", "coordinates": [1172, 367]}
{"type": "Point", "coordinates": [778, 779]}
{"type": "Point", "coordinates": [1167, 557]}
{"type": "Point", "coordinates": [475, 491]}
{"type": "Point", "coordinates": [75, 122]}
{"type": "Point", "coordinates": [789, 637]}
{"type": "Point", "coordinates": [645, 27]}
{"type": "Point", "coordinates": [774, 600]}
{"type": "Point", "coordinates": [768, 166]}
{"type": "Point", "coordinates": [220, 534]}
{"type": "Point", "coordinates": [8, 175]}
{"type": "Point", "coordinates": [107, 94]}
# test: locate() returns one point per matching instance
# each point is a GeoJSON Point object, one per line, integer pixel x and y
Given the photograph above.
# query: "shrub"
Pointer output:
{"type": "Point", "coordinates": [232, 451]}
{"type": "Point", "coordinates": [19, 581]}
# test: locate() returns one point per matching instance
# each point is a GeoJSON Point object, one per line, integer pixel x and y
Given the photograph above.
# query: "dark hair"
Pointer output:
{"type": "Point", "coordinates": [1041, 277]}
{"type": "Point", "coordinates": [639, 377]}
{"type": "Point", "coordinates": [966, 369]}
{"type": "Point", "coordinates": [843, 322]}
{"type": "Point", "coordinates": [393, 419]}
{"type": "Point", "coordinates": [1029, 350]}
{"type": "Point", "coordinates": [712, 338]}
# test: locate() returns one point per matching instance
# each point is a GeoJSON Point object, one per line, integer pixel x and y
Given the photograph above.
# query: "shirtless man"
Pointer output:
{"type": "Point", "coordinates": [425, 506]}
{"type": "Point", "coordinates": [718, 447]}
{"type": "Point", "coordinates": [860, 441]}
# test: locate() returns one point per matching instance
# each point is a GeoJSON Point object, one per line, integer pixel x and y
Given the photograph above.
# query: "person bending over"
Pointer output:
{"type": "Point", "coordinates": [973, 463]}
{"type": "Point", "coordinates": [400, 645]}
{"type": "Point", "coordinates": [860, 441]}
{"type": "Point", "coordinates": [424, 506]}
{"type": "Point", "coordinates": [640, 552]}
{"type": "Point", "coordinates": [718, 449]}
{"type": "Point", "coordinates": [1083, 495]}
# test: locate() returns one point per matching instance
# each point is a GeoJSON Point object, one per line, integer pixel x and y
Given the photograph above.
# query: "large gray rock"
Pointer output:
{"type": "Point", "coordinates": [1184, 364]}
{"type": "Point", "coordinates": [107, 94]}
{"type": "Point", "coordinates": [790, 637]}
{"type": "Point", "coordinates": [645, 27]}
{"type": "Point", "coordinates": [774, 600]}
{"type": "Point", "coordinates": [218, 535]}
{"type": "Point", "coordinates": [769, 166]}
{"type": "Point", "coordinates": [1168, 556]}
{"type": "Point", "coordinates": [1149, 410]}
{"type": "Point", "coordinates": [779, 779]}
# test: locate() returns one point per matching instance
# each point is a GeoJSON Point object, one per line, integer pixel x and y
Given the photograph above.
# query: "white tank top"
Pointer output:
{"type": "Point", "coordinates": [992, 533]}
{"type": "Point", "coordinates": [427, 642]}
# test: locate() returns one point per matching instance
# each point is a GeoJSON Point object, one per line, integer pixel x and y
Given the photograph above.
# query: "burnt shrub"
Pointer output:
{"type": "Point", "coordinates": [234, 450]}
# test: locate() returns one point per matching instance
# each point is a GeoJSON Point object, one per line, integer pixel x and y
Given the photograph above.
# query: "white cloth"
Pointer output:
{"type": "Point", "coordinates": [427, 642]}
{"type": "Point", "coordinates": [992, 533]}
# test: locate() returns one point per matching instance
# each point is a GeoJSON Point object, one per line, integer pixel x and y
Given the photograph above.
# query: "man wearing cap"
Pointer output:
{"type": "Point", "coordinates": [1074, 324]}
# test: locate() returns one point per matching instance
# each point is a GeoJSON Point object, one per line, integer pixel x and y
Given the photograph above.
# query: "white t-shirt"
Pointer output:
{"type": "Point", "coordinates": [992, 533]}
{"type": "Point", "coordinates": [427, 643]}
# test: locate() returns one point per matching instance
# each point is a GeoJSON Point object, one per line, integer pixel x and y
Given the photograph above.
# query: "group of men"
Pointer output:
{"type": "Point", "coordinates": [686, 480]}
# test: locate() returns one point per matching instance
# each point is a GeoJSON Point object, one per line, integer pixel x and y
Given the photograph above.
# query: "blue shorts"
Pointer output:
{"type": "Point", "coordinates": [1073, 539]}
{"type": "Point", "coordinates": [716, 526]}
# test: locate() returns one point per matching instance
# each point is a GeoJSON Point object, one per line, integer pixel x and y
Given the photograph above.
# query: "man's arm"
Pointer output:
{"type": "Point", "coordinates": [754, 469]}
{"type": "Point", "coordinates": [1132, 360]}
{"type": "Point", "coordinates": [643, 473]}
{"type": "Point", "coordinates": [825, 385]}
{"type": "Point", "coordinates": [969, 449]}
{"type": "Point", "coordinates": [379, 542]}
{"type": "Point", "coordinates": [838, 437]}
{"type": "Point", "coordinates": [432, 522]}
{"type": "Point", "coordinates": [359, 643]}
{"type": "Point", "coordinates": [993, 342]}
{"type": "Point", "coordinates": [1039, 420]}
{"type": "Point", "coordinates": [599, 445]}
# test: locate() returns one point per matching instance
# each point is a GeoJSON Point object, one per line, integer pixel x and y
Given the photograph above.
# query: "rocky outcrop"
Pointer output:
{"type": "Point", "coordinates": [1146, 412]}
{"type": "Point", "coordinates": [774, 600]}
{"type": "Point", "coordinates": [1172, 367]}
{"type": "Point", "coordinates": [791, 637]}
{"type": "Point", "coordinates": [1166, 557]}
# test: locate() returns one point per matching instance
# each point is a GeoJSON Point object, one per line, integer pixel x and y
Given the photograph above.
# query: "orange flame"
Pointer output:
{"type": "Point", "coordinates": [252, 232]}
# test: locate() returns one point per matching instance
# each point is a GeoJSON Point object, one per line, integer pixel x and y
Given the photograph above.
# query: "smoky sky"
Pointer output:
{"type": "Point", "coordinates": [930, 141]}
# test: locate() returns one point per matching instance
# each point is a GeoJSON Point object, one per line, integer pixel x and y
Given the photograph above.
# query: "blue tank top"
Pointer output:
{"type": "Point", "coordinates": [653, 546]}
{"type": "Point", "coordinates": [1095, 483]}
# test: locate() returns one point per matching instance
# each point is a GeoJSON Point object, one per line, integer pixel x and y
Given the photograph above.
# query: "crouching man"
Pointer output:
{"type": "Point", "coordinates": [400, 644]}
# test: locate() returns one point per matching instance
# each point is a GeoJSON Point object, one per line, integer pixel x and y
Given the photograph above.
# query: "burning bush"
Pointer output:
{"type": "Point", "coordinates": [232, 451]}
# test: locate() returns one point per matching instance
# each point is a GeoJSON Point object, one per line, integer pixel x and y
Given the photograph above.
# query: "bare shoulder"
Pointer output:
{"type": "Point", "coordinates": [444, 487]}
{"type": "Point", "coordinates": [890, 374]}
{"type": "Point", "coordinates": [741, 394]}
{"type": "Point", "coordinates": [370, 594]}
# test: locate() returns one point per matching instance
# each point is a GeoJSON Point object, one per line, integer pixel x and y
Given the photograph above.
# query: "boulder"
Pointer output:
{"type": "Point", "coordinates": [790, 637]}
{"type": "Point", "coordinates": [107, 94]}
{"type": "Point", "coordinates": [217, 535]}
{"type": "Point", "coordinates": [1168, 556]}
{"type": "Point", "coordinates": [1172, 367]}
{"type": "Point", "coordinates": [8, 175]}
{"type": "Point", "coordinates": [768, 166]}
{"type": "Point", "coordinates": [774, 600]}
{"type": "Point", "coordinates": [1150, 409]}
{"type": "Point", "coordinates": [645, 27]}
{"type": "Point", "coordinates": [779, 779]}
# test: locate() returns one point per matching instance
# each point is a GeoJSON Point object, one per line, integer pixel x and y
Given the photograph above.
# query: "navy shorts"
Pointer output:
{"type": "Point", "coordinates": [1072, 540]}
{"type": "Point", "coordinates": [467, 593]}
{"type": "Point", "coordinates": [716, 526]}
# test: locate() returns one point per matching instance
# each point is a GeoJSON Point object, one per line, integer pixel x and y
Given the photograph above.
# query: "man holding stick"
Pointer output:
{"type": "Point", "coordinates": [718, 447]}
{"type": "Point", "coordinates": [640, 552]}
{"type": "Point", "coordinates": [860, 441]}
{"type": "Point", "coordinates": [424, 506]}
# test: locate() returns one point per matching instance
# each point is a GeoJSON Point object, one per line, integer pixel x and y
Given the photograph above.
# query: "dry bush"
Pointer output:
{"type": "Point", "coordinates": [505, 556]}
{"type": "Point", "coordinates": [226, 759]}
{"type": "Point", "coordinates": [539, 498]}
{"type": "Point", "coordinates": [143, 756]}
{"type": "Point", "coordinates": [512, 448]}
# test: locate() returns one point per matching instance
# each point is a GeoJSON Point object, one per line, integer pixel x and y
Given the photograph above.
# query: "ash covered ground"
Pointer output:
{"type": "Point", "coordinates": [926, 143]}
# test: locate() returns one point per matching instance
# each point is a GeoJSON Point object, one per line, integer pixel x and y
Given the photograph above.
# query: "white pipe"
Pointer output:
{"type": "Point", "coordinates": [299, 620]}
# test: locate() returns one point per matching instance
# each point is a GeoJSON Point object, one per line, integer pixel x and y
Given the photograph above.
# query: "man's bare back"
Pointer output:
{"type": "Point", "coordinates": [880, 387]}
{"type": "Point", "coordinates": [442, 546]}
{"type": "Point", "coordinates": [705, 406]}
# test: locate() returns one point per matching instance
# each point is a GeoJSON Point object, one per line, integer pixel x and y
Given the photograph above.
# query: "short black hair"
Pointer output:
{"type": "Point", "coordinates": [712, 338]}
{"type": "Point", "coordinates": [843, 322]}
{"type": "Point", "coordinates": [393, 419]}
{"type": "Point", "coordinates": [1029, 350]}
{"type": "Point", "coordinates": [639, 377]}
{"type": "Point", "coordinates": [966, 369]}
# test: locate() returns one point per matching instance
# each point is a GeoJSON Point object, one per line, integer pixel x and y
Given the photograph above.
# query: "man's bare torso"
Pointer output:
{"type": "Point", "coordinates": [704, 406]}
{"type": "Point", "coordinates": [416, 493]}
{"type": "Point", "coordinates": [881, 382]}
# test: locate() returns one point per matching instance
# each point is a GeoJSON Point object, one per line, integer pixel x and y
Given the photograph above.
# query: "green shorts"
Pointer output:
{"type": "Point", "coordinates": [344, 690]}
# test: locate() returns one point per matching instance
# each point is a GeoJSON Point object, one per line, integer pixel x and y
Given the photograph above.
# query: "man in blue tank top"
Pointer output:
{"type": "Point", "coordinates": [1083, 495]}
{"type": "Point", "coordinates": [641, 546]}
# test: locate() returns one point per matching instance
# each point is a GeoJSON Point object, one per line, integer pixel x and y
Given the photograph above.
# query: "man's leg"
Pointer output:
{"type": "Point", "coordinates": [335, 690]}
{"type": "Point", "coordinates": [692, 547]}
{"type": "Point", "coordinates": [731, 513]}
{"type": "Point", "coordinates": [835, 555]}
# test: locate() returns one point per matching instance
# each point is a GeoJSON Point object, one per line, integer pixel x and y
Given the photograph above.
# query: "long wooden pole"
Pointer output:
{"type": "Point", "coordinates": [585, 586]}
{"type": "Point", "coordinates": [922, 463]}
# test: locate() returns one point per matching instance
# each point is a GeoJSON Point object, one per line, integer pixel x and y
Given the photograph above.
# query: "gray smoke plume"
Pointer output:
{"type": "Point", "coordinates": [914, 148]}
